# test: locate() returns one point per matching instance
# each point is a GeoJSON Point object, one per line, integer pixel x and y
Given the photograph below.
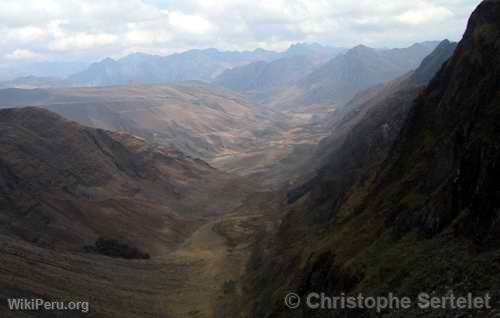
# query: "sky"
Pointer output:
{"type": "Point", "coordinates": [72, 30]}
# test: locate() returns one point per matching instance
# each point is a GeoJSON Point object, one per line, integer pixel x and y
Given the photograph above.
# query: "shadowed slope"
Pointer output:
{"type": "Point", "coordinates": [416, 215]}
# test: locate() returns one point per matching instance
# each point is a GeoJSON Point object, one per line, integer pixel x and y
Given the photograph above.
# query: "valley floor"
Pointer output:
{"type": "Point", "coordinates": [275, 159]}
{"type": "Point", "coordinates": [205, 271]}
{"type": "Point", "coordinates": [195, 280]}
{"type": "Point", "coordinates": [206, 264]}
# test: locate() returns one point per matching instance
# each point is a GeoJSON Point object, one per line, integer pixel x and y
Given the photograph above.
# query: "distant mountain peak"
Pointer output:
{"type": "Point", "coordinates": [433, 62]}
{"type": "Point", "coordinates": [136, 56]}
{"type": "Point", "coordinates": [361, 50]}
{"type": "Point", "coordinates": [362, 47]}
{"type": "Point", "coordinates": [416, 45]}
{"type": "Point", "coordinates": [304, 45]}
{"type": "Point", "coordinates": [314, 48]}
{"type": "Point", "coordinates": [107, 61]}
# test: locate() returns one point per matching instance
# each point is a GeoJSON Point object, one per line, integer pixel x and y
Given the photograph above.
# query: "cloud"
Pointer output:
{"type": "Point", "coordinates": [92, 29]}
{"type": "Point", "coordinates": [424, 15]}
{"type": "Point", "coordinates": [21, 54]}
{"type": "Point", "coordinates": [189, 23]}
{"type": "Point", "coordinates": [26, 34]}
{"type": "Point", "coordinates": [83, 41]}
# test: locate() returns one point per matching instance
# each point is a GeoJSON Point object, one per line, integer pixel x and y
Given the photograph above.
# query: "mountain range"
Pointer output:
{"type": "Point", "coordinates": [366, 171]}
{"type": "Point", "coordinates": [140, 68]}
{"type": "Point", "coordinates": [338, 80]}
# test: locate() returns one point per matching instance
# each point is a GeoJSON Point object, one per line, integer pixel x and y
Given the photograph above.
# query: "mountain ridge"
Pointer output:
{"type": "Point", "coordinates": [421, 217]}
{"type": "Point", "coordinates": [338, 80]}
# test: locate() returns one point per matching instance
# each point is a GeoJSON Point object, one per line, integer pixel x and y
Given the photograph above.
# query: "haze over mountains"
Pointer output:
{"type": "Point", "coordinates": [205, 121]}
{"type": "Point", "coordinates": [338, 80]}
{"type": "Point", "coordinates": [54, 70]}
{"type": "Point", "coordinates": [246, 71]}
{"type": "Point", "coordinates": [268, 124]}
{"type": "Point", "coordinates": [212, 184]}
{"type": "Point", "coordinates": [139, 68]}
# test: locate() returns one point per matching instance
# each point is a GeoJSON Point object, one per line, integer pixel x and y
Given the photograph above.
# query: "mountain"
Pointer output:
{"type": "Point", "coordinates": [363, 101]}
{"type": "Point", "coordinates": [59, 178]}
{"type": "Point", "coordinates": [197, 118]}
{"type": "Point", "coordinates": [312, 49]}
{"type": "Point", "coordinates": [264, 76]}
{"type": "Point", "coordinates": [260, 78]}
{"type": "Point", "coordinates": [433, 62]}
{"type": "Point", "coordinates": [138, 68]}
{"type": "Point", "coordinates": [407, 203]}
{"type": "Point", "coordinates": [337, 81]}
{"type": "Point", "coordinates": [363, 130]}
{"type": "Point", "coordinates": [78, 205]}
{"type": "Point", "coordinates": [203, 65]}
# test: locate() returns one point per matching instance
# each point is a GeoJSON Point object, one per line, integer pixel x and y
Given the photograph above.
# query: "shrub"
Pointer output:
{"type": "Point", "coordinates": [115, 248]}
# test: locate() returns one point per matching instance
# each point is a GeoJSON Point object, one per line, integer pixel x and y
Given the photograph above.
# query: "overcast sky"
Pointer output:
{"type": "Point", "coordinates": [37, 30]}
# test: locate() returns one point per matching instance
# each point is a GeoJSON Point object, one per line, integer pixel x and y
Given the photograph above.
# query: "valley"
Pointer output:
{"type": "Point", "coordinates": [198, 255]}
{"type": "Point", "coordinates": [203, 121]}
{"type": "Point", "coordinates": [211, 184]}
{"type": "Point", "coordinates": [195, 222]}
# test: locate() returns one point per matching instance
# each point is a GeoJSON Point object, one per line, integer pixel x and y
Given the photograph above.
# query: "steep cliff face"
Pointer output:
{"type": "Point", "coordinates": [448, 153]}
{"type": "Point", "coordinates": [416, 213]}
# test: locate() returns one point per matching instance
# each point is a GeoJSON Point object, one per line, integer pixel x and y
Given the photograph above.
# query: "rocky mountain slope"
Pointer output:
{"type": "Point", "coordinates": [409, 212]}
{"type": "Point", "coordinates": [432, 63]}
{"type": "Point", "coordinates": [373, 118]}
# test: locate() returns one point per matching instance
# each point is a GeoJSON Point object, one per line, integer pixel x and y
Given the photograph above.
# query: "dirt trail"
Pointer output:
{"type": "Point", "coordinates": [199, 269]}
